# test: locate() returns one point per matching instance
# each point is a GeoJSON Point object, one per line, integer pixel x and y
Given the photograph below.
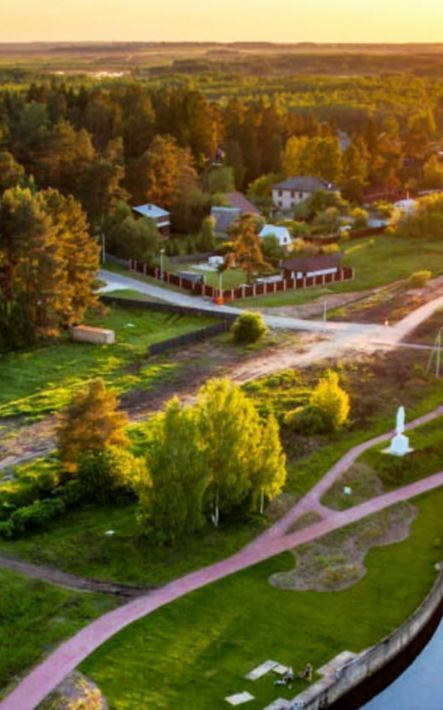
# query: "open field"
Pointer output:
{"type": "Point", "coordinates": [36, 616]}
{"type": "Point", "coordinates": [197, 650]}
{"type": "Point", "coordinates": [40, 380]}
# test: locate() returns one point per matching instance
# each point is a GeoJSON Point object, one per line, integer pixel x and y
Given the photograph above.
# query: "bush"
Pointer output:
{"type": "Point", "coordinates": [248, 328]}
{"type": "Point", "coordinates": [107, 474]}
{"type": "Point", "coordinates": [32, 516]}
{"type": "Point", "coordinates": [332, 400]}
{"type": "Point", "coordinates": [419, 279]}
{"type": "Point", "coordinates": [308, 420]}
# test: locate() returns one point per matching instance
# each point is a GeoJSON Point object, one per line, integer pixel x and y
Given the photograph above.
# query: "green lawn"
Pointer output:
{"type": "Point", "coordinates": [195, 651]}
{"type": "Point", "coordinates": [40, 380]}
{"type": "Point", "coordinates": [77, 543]}
{"type": "Point", "coordinates": [35, 617]}
{"type": "Point", "coordinates": [377, 261]}
{"type": "Point", "coordinates": [374, 468]}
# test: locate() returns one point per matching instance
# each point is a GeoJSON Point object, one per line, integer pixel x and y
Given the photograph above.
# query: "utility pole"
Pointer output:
{"type": "Point", "coordinates": [437, 354]}
{"type": "Point", "coordinates": [162, 251]}
{"type": "Point", "coordinates": [103, 248]}
{"type": "Point", "coordinates": [325, 312]}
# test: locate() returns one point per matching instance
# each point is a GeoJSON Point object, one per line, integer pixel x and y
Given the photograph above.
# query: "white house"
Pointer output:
{"type": "Point", "coordinates": [288, 193]}
{"type": "Point", "coordinates": [282, 234]}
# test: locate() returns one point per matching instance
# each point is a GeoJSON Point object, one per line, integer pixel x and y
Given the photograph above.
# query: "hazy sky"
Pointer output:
{"type": "Point", "coordinates": [224, 20]}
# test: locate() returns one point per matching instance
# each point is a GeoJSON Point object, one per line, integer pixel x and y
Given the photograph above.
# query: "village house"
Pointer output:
{"type": "Point", "coordinates": [293, 190]}
{"type": "Point", "coordinates": [282, 234]}
{"type": "Point", "coordinates": [161, 217]}
{"type": "Point", "coordinates": [306, 266]}
{"type": "Point", "coordinates": [237, 204]}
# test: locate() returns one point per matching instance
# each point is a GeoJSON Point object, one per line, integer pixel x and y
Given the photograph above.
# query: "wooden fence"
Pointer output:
{"type": "Point", "coordinates": [344, 273]}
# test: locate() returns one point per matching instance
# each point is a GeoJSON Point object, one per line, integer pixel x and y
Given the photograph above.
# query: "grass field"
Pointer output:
{"type": "Point", "coordinates": [374, 468]}
{"type": "Point", "coordinates": [196, 651]}
{"type": "Point", "coordinates": [377, 261]}
{"type": "Point", "coordinates": [40, 380]}
{"type": "Point", "coordinates": [35, 616]}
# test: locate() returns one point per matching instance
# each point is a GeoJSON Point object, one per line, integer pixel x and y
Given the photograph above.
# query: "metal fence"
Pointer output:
{"type": "Point", "coordinates": [195, 336]}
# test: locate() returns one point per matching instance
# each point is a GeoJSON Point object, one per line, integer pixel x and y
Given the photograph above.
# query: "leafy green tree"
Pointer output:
{"type": "Point", "coordinates": [354, 170]}
{"type": "Point", "coordinates": [230, 432]}
{"type": "Point", "coordinates": [206, 239]}
{"type": "Point", "coordinates": [89, 424]}
{"type": "Point", "coordinates": [110, 472]}
{"type": "Point", "coordinates": [293, 155]}
{"type": "Point", "coordinates": [433, 173]}
{"type": "Point", "coordinates": [331, 399]}
{"type": "Point", "coordinates": [426, 222]}
{"type": "Point", "coordinates": [360, 217]}
{"type": "Point", "coordinates": [272, 251]}
{"type": "Point", "coordinates": [327, 221]}
{"type": "Point", "coordinates": [221, 180]}
{"type": "Point", "coordinates": [269, 476]}
{"type": "Point", "coordinates": [171, 500]}
{"type": "Point", "coordinates": [247, 246]}
{"type": "Point", "coordinates": [11, 172]}
{"type": "Point", "coordinates": [134, 239]}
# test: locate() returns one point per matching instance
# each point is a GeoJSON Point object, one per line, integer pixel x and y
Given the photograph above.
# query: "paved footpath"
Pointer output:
{"type": "Point", "coordinates": [45, 677]}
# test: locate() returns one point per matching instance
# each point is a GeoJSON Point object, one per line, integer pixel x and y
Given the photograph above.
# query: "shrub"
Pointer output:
{"type": "Point", "coordinates": [308, 420]}
{"type": "Point", "coordinates": [248, 328]}
{"type": "Point", "coordinates": [32, 516]}
{"type": "Point", "coordinates": [332, 400]}
{"type": "Point", "coordinates": [107, 474]}
{"type": "Point", "coordinates": [419, 279]}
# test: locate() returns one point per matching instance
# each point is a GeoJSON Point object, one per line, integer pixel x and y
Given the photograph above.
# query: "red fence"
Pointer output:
{"type": "Point", "coordinates": [344, 273]}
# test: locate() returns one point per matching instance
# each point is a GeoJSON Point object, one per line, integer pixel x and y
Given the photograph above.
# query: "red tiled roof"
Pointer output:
{"type": "Point", "coordinates": [239, 200]}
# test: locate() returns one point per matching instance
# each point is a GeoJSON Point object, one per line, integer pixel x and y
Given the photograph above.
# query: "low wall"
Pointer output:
{"type": "Point", "coordinates": [196, 336]}
{"type": "Point", "coordinates": [331, 689]}
{"type": "Point", "coordinates": [167, 307]}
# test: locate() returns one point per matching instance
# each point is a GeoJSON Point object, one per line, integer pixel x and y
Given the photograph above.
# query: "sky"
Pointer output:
{"type": "Point", "coordinates": [222, 20]}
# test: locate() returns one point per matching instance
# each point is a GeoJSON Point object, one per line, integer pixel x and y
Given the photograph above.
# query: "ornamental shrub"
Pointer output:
{"type": "Point", "coordinates": [248, 328]}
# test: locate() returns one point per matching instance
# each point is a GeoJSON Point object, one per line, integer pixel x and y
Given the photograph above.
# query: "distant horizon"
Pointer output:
{"type": "Point", "coordinates": [300, 43]}
{"type": "Point", "coordinates": [276, 21]}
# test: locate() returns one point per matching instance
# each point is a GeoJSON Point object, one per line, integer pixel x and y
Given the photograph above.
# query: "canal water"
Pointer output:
{"type": "Point", "coordinates": [420, 687]}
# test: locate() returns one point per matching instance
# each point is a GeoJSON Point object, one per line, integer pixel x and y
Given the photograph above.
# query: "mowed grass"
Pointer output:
{"type": "Point", "coordinates": [391, 472]}
{"type": "Point", "coordinates": [78, 544]}
{"type": "Point", "coordinates": [35, 617]}
{"type": "Point", "coordinates": [377, 261]}
{"type": "Point", "coordinates": [40, 380]}
{"type": "Point", "coordinates": [197, 650]}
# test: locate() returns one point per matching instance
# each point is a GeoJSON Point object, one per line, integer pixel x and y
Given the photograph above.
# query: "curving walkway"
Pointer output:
{"type": "Point", "coordinates": [45, 677]}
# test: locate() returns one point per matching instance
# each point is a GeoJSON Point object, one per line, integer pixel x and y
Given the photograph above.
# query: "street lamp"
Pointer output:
{"type": "Point", "coordinates": [162, 251]}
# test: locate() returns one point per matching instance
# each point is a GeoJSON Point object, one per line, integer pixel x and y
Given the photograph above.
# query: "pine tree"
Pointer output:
{"type": "Point", "coordinates": [89, 424]}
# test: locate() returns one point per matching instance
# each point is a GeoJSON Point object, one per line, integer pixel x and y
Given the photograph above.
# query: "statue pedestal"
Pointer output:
{"type": "Point", "coordinates": [399, 446]}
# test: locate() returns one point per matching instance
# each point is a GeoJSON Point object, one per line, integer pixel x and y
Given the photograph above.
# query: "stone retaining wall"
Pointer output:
{"type": "Point", "coordinates": [330, 689]}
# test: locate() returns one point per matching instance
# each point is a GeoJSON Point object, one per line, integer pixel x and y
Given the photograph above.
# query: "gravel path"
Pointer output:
{"type": "Point", "coordinates": [47, 675]}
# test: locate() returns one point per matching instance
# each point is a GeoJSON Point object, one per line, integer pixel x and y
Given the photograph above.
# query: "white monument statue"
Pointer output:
{"type": "Point", "coordinates": [400, 443]}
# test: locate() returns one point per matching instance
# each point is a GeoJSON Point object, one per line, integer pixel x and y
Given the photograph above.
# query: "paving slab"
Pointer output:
{"type": "Point", "coordinates": [261, 670]}
{"type": "Point", "coordinates": [239, 698]}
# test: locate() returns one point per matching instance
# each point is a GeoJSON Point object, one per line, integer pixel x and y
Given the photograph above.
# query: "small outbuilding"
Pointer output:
{"type": "Point", "coordinates": [300, 267]}
{"type": "Point", "coordinates": [161, 217]}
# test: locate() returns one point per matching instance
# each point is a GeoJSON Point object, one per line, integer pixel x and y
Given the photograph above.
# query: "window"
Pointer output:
{"type": "Point", "coordinates": [280, 193]}
{"type": "Point", "coordinates": [280, 203]}
{"type": "Point", "coordinates": [300, 195]}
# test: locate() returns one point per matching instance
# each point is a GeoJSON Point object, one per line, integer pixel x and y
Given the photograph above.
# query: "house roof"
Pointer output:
{"type": "Point", "coordinates": [306, 264]}
{"type": "Point", "coordinates": [305, 183]}
{"type": "Point", "coordinates": [151, 211]}
{"type": "Point", "coordinates": [241, 202]}
{"type": "Point", "coordinates": [282, 234]}
{"type": "Point", "coordinates": [224, 217]}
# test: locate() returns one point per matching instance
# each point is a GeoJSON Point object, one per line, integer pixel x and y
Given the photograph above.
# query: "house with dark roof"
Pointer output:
{"type": "Point", "coordinates": [289, 192]}
{"type": "Point", "coordinates": [161, 217]}
{"type": "Point", "coordinates": [241, 202]}
{"type": "Point", "coordinates": [319, 265]}
{"type": "Point", "coordinates": [237, 205]}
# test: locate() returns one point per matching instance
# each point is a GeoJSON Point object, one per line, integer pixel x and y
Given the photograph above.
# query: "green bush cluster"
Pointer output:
{"type": "Point", "coordinates": [419, 279]}
{"type": "Point", "coordinates": [248, 328]}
